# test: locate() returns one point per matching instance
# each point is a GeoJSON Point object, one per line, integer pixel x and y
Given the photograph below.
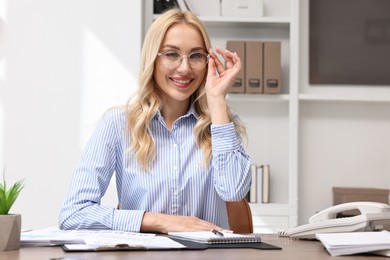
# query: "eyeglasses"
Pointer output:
{"type": "Point", "coordinates": [173, 59]}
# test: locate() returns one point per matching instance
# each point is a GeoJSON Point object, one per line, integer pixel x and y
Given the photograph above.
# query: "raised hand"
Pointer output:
{"type": "Point", "coordinates": [221, 76]}
{"type": "Point", "coordinates": [219, 79]}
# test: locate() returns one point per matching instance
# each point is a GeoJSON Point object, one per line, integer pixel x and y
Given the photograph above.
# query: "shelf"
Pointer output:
{"type": "Point", "coordinates": [344, 98]}
{"type": "Point", "coordinates": [258, 97]}
{"type": "Point", "coordinates": [283, 21]}
{"type": "Point", "coordinates": [233, 21]}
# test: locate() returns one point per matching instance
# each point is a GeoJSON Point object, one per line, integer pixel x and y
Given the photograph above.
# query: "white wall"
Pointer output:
{"type": "Point", "coordinates": [341, 143]}
{"type": "Point", "coordinates": [62, 64]}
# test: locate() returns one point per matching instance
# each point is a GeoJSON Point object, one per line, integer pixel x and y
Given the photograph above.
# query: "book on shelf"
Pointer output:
{"type": "Point", "coordinates": [350, 243]}
{"type": "Point", "coordinates": [253, 188]}
{"type": "Point", "coordinates": [260, 185]}
{"type": "Point", "coordinates": [265, 183]}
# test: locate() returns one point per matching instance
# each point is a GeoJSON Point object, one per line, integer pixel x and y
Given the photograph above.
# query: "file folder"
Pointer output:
{"type": "Point", "coordinates": [239, 47]}
{"type": "Point", "coordinates": [254, 67]}
{"type": "Point", "coordinates": [272, 67]}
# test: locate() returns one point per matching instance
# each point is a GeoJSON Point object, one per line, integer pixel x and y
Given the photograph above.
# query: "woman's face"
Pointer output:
{"type": "Point", "coordinates": [178, 80]}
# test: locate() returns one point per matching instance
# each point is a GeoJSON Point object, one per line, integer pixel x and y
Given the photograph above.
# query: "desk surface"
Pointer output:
{"type": "Point", "coordinates": [291, 249]}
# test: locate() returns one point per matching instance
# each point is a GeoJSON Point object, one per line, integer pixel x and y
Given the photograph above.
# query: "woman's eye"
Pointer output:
{"type": "Point", "coordinates": [172, 55]}
{"type": "Point", "coordinates": [196, 56]}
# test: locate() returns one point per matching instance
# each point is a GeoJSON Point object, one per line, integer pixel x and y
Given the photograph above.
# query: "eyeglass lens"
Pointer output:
{"type": "Point", "coordinates": [196, 60]}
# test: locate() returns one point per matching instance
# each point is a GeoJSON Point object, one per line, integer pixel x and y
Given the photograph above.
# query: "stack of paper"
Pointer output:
{"type": "Point", "coordinates": [55, 236]}
{"type": "Point", "coordinates": [96, 240]}
{"type": "Point", "coordinates": [355, 242]}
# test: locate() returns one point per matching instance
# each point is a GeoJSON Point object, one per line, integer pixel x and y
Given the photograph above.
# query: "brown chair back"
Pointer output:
{"type": "Point", "coordinates": [239, 216]}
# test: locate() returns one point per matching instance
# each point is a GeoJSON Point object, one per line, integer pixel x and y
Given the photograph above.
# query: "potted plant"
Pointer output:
{"type": "Point", "coordinates": [10, 224]}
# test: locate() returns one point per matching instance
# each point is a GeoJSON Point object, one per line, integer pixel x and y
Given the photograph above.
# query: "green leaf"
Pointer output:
{"type": "Point", "coordinates": [9, 196]}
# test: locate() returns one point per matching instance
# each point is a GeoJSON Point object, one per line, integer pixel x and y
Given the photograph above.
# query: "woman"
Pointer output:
{"type": "Point", "coordinates": [175, 148]}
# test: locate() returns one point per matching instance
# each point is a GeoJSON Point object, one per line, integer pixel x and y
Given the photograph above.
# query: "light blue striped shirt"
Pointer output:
{"type": "Point", "coordinates": [177, 184]}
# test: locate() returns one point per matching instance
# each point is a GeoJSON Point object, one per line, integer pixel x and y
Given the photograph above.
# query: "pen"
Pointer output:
{"type": "Point", "coordinates": [220, 234]}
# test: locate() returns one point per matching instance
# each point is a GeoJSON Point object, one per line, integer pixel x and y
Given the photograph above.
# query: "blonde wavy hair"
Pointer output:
{"type": "Point", "coordinates": [143, 107]}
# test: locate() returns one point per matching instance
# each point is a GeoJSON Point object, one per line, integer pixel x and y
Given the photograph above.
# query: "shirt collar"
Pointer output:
{"type": "Point", "coordinates": [191, 111]}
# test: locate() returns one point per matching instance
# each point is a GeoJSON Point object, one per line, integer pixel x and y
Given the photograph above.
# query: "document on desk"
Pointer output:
{"type": "Point", "coordinates": [50, 236]}
{"type": "Point", "coordinates": [97, 240]}
{"type": "Point", "coordinates": [156, 243]}
{"type": "Point", "coordinates": [356, 242]}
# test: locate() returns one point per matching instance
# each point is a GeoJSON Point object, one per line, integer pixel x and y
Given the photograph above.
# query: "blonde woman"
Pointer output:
{"type": "Point", "coordinates": [175, 148]}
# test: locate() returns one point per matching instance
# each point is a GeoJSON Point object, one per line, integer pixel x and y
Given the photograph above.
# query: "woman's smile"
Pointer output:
{"type": "Point", "coordinates": [181, 82]}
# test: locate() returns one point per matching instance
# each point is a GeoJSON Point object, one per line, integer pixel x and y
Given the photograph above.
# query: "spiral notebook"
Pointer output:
{"type": "Point", "coordinates": [208, 237]}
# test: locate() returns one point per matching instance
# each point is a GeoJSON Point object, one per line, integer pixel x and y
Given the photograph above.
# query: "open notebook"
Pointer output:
{"type": "Point", "coordinates": [208, 237]}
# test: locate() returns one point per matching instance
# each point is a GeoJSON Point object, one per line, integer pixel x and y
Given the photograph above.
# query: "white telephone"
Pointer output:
{"type": "Point", "coordinates": [374, 216]}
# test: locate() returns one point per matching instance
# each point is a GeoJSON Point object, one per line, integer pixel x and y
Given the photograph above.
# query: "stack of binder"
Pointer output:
{"type": "Point", "coordinates": [261, 72]}
{"type": "Point", "coordinates": [260, 186]}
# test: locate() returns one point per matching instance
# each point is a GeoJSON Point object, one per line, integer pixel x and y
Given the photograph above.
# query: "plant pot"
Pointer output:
{"type": "Point", "coordinates": [10, 229]}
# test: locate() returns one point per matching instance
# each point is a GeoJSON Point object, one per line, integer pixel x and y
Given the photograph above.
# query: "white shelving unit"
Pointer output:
{"type": "Point", "coordinates": [290, 131]}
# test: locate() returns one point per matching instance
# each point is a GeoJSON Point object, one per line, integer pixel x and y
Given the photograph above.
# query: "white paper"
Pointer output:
{"type": "Point", "coordinates": [56, 236]}
{"type": "Point", "coordinates": [354, 242]}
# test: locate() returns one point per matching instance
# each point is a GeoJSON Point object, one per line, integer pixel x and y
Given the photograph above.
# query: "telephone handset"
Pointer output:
{"type": "Point", "coordinates": [374, 216]}
{"type": "Point", "coordinates": [364, 207]}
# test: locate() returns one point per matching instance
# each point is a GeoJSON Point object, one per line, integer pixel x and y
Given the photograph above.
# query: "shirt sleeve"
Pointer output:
{"type": "Point", "coordinates": [231, 164]}
{"type": "Point", "coordinates": [82, 208]}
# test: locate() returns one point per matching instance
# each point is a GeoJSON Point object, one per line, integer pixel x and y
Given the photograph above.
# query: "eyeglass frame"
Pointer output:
{"type": "Point", "coordinates": [163, 54]}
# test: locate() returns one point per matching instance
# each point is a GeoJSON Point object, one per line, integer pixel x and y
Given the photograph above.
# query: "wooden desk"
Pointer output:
{"type": "Point", "coordinates": [291, 249]}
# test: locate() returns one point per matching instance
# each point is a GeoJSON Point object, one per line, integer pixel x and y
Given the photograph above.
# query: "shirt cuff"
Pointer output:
{"type": "Point", "coordinates": [224, 137]}
{"type": "Point", "coordinates": [128, 220]}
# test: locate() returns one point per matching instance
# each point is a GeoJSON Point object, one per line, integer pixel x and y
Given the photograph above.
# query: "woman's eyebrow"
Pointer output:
{"type": "Point", "coordinates": [170, 46]}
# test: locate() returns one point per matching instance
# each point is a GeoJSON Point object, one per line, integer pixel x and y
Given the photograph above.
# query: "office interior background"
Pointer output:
{"type": "Point", "coordinates": [64, 63]}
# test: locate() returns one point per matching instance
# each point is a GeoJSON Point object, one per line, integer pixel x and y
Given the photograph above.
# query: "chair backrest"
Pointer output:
{"type": "Point", "coordinates": [239, 216]}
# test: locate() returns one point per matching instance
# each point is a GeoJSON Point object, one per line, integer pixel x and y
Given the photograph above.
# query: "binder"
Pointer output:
{"type": "Point", "coordinates": [239, 47]}
{"type": "Point", "coordinates": [253, 189]}
{"type": "Point", "coordinates": [254, 67]}
{"type": "Point", "coordinates": [272, 67]}
{"type": "Point", "coordinates": [260, 188]}
{"type": "Point", "coordinates": [266, 183]}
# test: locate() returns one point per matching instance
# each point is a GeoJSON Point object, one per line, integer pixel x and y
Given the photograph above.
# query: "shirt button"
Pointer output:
{"type": "Point", "coordinates": [175, 168]}
{"type": "Point", "coordinates": [174, 145]}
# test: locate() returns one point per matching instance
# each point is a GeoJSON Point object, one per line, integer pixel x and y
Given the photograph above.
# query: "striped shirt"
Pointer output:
{"type": "Point", "coordinates": [176, 184]}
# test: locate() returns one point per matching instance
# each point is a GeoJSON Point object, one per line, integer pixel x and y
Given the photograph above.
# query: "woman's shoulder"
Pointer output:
{"type": "Point", "coordinates": [115, 115]}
